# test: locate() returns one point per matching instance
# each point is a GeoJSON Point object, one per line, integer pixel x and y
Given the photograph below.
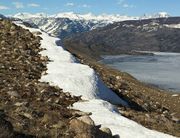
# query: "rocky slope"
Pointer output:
{"type": "Point", "coordinates": [160, 34]}
{"type": "Point", "coordinates": [28, 107]}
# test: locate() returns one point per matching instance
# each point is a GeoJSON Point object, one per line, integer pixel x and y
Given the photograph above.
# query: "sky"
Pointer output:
{"type": "Point", "coordinates": [122, 7]}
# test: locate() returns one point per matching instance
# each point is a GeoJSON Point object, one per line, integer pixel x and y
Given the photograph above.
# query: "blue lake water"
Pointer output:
{"type": "Point", "coordinates": [162, 69]}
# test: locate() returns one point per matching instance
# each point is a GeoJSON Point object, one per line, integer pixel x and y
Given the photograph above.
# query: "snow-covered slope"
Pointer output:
{"type": "Point", "coordinates": [78, 79]}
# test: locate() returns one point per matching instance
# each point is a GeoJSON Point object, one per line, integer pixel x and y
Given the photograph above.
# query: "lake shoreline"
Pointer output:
{"type": "Point", "coordinates": [159, 70]}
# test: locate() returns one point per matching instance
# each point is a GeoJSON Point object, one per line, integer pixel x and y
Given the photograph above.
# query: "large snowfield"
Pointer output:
{"type": "Point", "coordinates": [80, 80]}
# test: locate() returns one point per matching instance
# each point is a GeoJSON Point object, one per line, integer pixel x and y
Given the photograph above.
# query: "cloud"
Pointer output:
{"type": "Point", "coordinates": [70, 4]}
{"type": "Point", "coordinates": [33, 5]}
{"type": "Point", "coordinates": [120, 2]}
{"type": "Point", "coordinates": [2, 7]}
{"type": "Point", "coordinates": [85, 6]}
{"type": "Point", "coordinates": [128, 6]}
{"type": "Point", "coordinates": [18, 5]}
{"type": "Point", "coordinates": [123, 4]}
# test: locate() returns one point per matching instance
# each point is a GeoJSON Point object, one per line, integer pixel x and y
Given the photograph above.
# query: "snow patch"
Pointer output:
{"type": "Point", "coordinates": [173, 26]}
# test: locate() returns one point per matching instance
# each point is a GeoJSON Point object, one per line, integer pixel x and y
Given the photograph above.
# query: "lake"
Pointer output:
{"type": "Point", "coordinates": [162, 69]}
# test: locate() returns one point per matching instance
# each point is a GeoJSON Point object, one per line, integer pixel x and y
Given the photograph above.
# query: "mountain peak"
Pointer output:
{"type": "Point", "coordinates": [26, 15]}
{"type": "Point", "coordinates": [156, 15]}
{"type": "Point", "coordinates": [163, 15]}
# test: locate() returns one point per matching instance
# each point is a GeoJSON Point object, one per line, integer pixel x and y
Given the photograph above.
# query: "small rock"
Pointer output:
{"type": "Point", "coordinates": [36, 33]}
{"type": "Point", "coordinates": [164, 109]}
{"type": "Point", "coordinates": [118, 77]}
{"type": "Point", "coordinates": [83, 130]}
{"type": "Point", "coordinates": [18, 104]}
{"type": "Point", "coordinates": [44, 58]}
{"type": "Point", "coordinates": [79, 113]}
{"type": "Point", "coordinates": [49, 100]}
{"type": "Point", "coordinates": [165, 112]}
{"type": "Point", "coordinates": [175, 95]}
{"type": "Point", "coordinates": [60, 124]}
{"type": "Point", "coordinates": [13, 93]}
{"type": "Point", "coordinates": [86, 119]}
{"type": "Point", "coordinates": [106, 130]}
{"type": "Point", "coordinates": [45, 119]}
{"type": "Point", "coordinates": [27, 115]}
{"type": "Point", "coordinates": [147, 115]}
{"type": "Point", "coordinates": [175, 119]}
{"type": "Point", "coordinates": [13, 27]}
{"type": "Point", "coordinates": [68, 94]}
{"type": "Point", "coordinates": [57, 101]}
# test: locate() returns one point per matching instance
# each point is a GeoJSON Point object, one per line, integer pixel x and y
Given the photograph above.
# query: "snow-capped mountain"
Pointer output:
{"type": "Point", "coordinates": [90, 16]}
{"type": "Point", "coordinates": [74, 16]}
{"type": "Point", "coordinates": [68, 23]}
{"type": "Point", "coordinates": [28, 15]}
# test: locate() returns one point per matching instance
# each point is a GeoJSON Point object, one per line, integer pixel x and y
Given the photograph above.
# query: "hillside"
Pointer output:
{"type": "Point", "coordinates": [39, 99]}
{"type": "Point", "coordinates": [160, 34]}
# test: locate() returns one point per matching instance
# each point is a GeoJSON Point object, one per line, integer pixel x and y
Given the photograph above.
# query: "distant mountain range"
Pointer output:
{"type": "Point", "coordinates": [67, 24]}
{"type": "Point", "coordinates": [109, 34]}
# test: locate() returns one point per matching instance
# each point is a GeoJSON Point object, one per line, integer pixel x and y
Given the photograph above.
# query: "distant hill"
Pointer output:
{"type": "Point", "coordinates": [158, 34]}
